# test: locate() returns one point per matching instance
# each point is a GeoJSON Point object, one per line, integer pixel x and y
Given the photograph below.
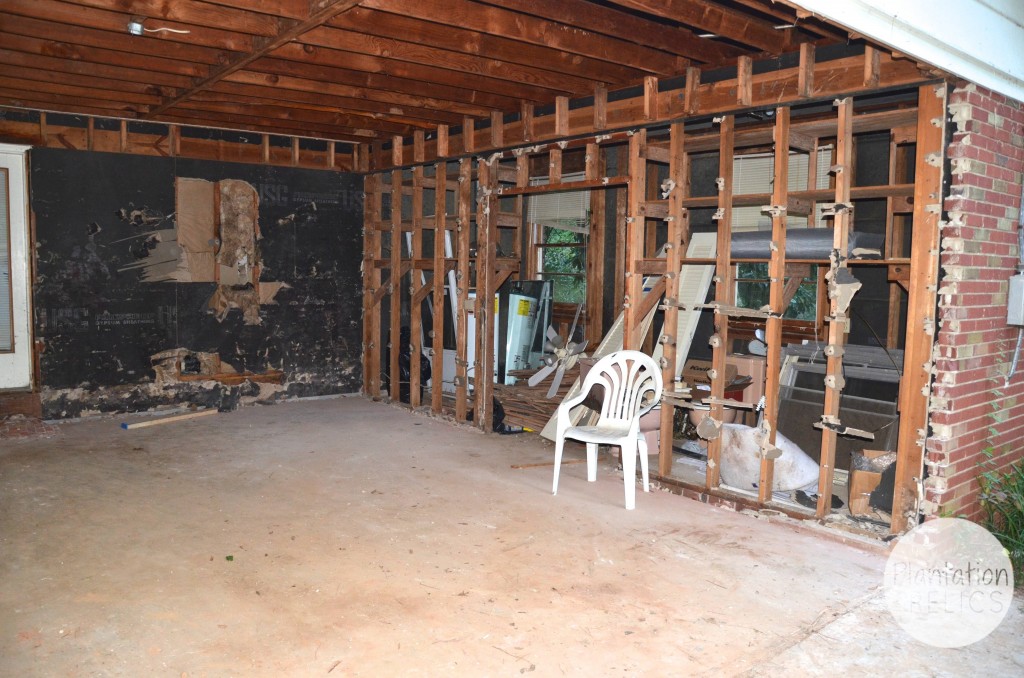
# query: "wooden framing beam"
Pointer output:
{"type": "Point", "coordinates": [417, 289]}
{"type": "Point", "coordinates": [832, 78]}
{"type": "Point", "coordinates": [776, 302]}
{"type": "Point", "coordinates": [840, 292]}
{"type": "Point", "coordinates": [677, 227]}
{"type": "Point", "coordinates": [320, 12]}
{"type": "Point", "coordinates": [395, 286]}
{"type": "Point", "coordinates": [634, 251]}
{"type": "Point", "coordinates": [921, 321]}
{"type": "Point", "coordinates": [486, 237]}
{"type": "Point", "coordinates": [595, 167]}
{"type": "Point", "coordinates": [437, 333]}
{"type": "Point", "coordinates": [372, 251]}
{"type": "Point", "coordinates": [462, 282]}
{"type": "Point", "coordinates": [724, 290]}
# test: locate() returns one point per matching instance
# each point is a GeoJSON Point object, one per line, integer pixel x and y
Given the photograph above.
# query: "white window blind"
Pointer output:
{"type": "Point", "coordinates": [569, 210]}
{"type": "Point", "coordinates": [6, 324]}
{"type": "Point", "coordinates": [754, 174]}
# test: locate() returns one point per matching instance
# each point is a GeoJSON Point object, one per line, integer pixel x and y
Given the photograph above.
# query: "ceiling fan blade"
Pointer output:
{"type": "Point", "coordinates": [572, 331]}
{"type": "Point", "coordinates": [551, 334]}
{"type": "Point", "coordinates": [540, 375]}
{"type": "Point", "coordinates": [557, 381]}
{"type": "Point", "coordinates": [579, 348]}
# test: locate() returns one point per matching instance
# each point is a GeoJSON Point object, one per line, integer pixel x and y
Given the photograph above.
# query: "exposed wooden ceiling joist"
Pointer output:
{"type": "Point", "coordinates": [365, 69]}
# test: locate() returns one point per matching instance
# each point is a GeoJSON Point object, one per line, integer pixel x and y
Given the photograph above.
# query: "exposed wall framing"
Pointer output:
{"type": "Point", "coordinates": [127, 136]}
{"type": "Point", "coordinates": [651, 213]}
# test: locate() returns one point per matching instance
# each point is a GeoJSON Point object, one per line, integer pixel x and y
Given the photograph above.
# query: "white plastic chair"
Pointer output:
{"type": "Point", "coordinates": [632, 386]}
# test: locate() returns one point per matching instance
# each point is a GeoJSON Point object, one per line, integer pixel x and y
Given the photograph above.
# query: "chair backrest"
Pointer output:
{"type": "Point", "coordinates": [631, 382]}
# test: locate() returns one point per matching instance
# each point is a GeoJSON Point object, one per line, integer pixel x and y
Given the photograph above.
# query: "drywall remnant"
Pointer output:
{"type": "Point", "coordinates": [243, 297]}
{"type": "Point", "coordinates": [238, 225]}
{"type": "Point", "coordinates": [842, 285]}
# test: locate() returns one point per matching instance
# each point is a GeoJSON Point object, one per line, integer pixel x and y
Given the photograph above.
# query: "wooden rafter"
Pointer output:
{"type": "Point", "coordinates": [320, 11]}
{"type": "Point", "coordinates": [717, 20]}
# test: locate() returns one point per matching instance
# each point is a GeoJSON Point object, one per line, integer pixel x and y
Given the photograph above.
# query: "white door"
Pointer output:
{"type": "Point", "coordinates": [15, 308]}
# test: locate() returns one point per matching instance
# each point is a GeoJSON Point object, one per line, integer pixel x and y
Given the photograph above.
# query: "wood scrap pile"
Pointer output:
{"type": "Point", "coordinates": [529, 406]}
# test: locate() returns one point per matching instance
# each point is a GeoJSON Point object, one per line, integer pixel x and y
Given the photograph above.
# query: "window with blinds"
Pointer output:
{"type": "Point", "coordinates": [567, 210]}
{"type": "Point", "coordinates": [754, 174]}
{"type": "Point", "coordinates": [6, 290]}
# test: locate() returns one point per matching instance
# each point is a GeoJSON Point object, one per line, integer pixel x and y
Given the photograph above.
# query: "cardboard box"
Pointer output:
{"type": "Point", "coordinates": [696, 372]}
{"type": "Point", "coordinates": [862, 484]}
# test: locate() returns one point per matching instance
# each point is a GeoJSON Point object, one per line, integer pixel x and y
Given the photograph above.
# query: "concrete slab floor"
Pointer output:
{"type": "Point", "coordinates": [350, 538]}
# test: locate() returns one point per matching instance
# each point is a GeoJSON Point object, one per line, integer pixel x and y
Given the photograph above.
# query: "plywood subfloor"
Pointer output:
{"type": "Point", "coordinates": [365, 540]}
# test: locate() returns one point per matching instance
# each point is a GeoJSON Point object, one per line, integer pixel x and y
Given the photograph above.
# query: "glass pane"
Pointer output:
{"type": "Point", "coordinates": [564, 260]}
{"type": "Point", "coordinates": [569, 289]}
{"type": "Point", "coordinates": [560, 236]}
{"type": "Point", "coordinates": [752, 291]}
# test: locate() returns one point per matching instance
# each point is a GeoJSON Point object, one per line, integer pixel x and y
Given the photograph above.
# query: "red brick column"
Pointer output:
{"type": "Point", "coordinates": [975, 413]}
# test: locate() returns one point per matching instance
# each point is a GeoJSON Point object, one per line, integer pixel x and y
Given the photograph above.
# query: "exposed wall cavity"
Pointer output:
{"type": "Point", "coordinates": [165, 281]}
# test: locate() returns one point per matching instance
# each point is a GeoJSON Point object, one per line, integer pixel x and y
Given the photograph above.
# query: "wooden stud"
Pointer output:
{"type": "Point", "coordinates": [776, 299]}
{"type": "Point", "coordinates": [724, 290]}
{"type": "Point", "coordinates": [838, 320]}
{"type": "Point", "coordinates": [397, 282]}
{"type": "Point", "coordinates": [621, 212]}
{"type": "Point", "coordinates": [44, 134]}
{"type": "Point", "coordinates": [295, 151]}
{"type": "Point", "coordinates": [486, 235]}
{"type": "Point", "coordinates": [634, 229]}
{"type": "Point", "coordinates": [442, 142]}
{"type": "Point", "coordinates": [872, 67]}
{"type": "Point", "coordinates": [691, 93]}
{"type": "Point", "coordinates": [805, 79]}
{"type": "Point", "coordinates": [363, 164]}
{"type": "Point", "coordinates": [462, 283]}
{"type": "Point", "coordinates": [594, 169]}
{"type": "Point", "coordinates": [651, 98]}
{"type": "Point", "coordinates": [418, 140]}
{"type": "Point", "coordinates": [416, 302]}
{"type": "Point", "coordinates": [331, 151]}
{"type": "Point", "coordinates": [265, 147]}
{"type": "Point", "coordinates": [497, 129]}
{"type": "Point", "coordinates": [90, 134]}
{"type": "Point", "coordinates": [373, 209]}
{"type": "Point", "coordinates": [562, 116]}
{"type": "Point", "coordinates": [396, 153]}
{"type": "Point", "coordinates": [555, 166]}
{"type": "Point", "coordinates": [440, 276]}
{"type": "Point", "coordinates": [522, 180]}
{"type": "Point", "coordinates": [526, 120]}
{"type": "Point", "coordinates": [122, 145]}
{"type": "Point", "coordinates": [921, 321]}
{"type": "Point", "coordinates": [600, 107]}
{"type": "Point", "coordinates": [468, 135]}
{"type": "Point", "coordinates": [744, 81]}
{"type": "Point", "coordinates": [677, 226]}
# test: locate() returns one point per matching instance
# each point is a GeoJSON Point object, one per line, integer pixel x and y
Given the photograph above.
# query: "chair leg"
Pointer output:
{"type": "Point", "coordinates": [558, 464]}
{"type": "Point", "coordinates": [641, 446]}
{"type": "Point", "coordinates": [591, 462]}
{"type": "Point", "coordinates": [629, 453]}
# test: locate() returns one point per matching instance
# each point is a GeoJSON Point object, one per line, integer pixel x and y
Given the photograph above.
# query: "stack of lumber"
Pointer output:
{"type": "Point", "coordinates": [528, 406]}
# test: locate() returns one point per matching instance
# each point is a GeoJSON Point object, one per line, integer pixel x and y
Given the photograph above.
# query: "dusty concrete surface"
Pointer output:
{"type": "Point", "coordinates": [365, 540]}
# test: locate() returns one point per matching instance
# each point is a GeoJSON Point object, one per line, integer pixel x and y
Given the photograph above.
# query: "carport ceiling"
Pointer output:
{"type": "Point", "coordinates": [358, 71]}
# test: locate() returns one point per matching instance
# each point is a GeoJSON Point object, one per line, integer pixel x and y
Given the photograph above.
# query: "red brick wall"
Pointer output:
{"type": "Point", "coordinates": [974, 411]}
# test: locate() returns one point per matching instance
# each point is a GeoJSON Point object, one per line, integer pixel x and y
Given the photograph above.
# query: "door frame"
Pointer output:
{"type": "Point", "coordinates": [16, 367]}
